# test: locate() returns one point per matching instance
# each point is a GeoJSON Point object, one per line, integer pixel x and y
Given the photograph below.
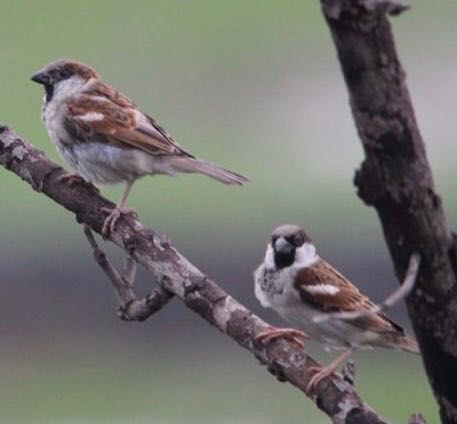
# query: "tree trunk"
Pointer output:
{"type": "Point", "coordinates": [395, 178]}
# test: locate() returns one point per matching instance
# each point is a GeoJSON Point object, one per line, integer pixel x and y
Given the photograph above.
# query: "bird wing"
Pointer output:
{"type": "Point", "coordinates": [326, 289]}
{"type": "Point", "coordinates": [105, 115]}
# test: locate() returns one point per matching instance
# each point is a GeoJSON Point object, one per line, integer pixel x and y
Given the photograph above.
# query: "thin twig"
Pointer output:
{"type": "Point", "coordinates": [130, 308]}
{"type": "Point", "coordinates": [348, 372]}
{"type": "Point", "coordinates": [417, 418]}
{"type": "Point", "coordinates": [391, 300]}
{"type": "Point", "coordinates": [129, 270]}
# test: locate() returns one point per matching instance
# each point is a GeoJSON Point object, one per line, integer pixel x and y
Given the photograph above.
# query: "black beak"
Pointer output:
{"type": "Point", "coordinates": [282, 246]}
{"type": "Point", "coordinates": [41, 78]}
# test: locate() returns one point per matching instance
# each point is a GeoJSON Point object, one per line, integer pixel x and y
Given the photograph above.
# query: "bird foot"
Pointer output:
{"type": "Point", "coordinates": [75, 179]}
{"type": "Point", "coordinates": [294, 336]}
{"type": "Point", "coordinates": [114, 215]}
{"type": "Point", "coordinates": [323, 372]}
{"type": "Point", "coordinates": [320, 374]}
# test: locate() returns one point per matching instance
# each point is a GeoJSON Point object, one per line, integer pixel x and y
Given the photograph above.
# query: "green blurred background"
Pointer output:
{"type": "Point", "coordinates": [255, 86]}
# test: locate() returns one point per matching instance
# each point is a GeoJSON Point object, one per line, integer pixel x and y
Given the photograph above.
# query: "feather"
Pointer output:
{"type": "Point", "coordinates": [98, 118]}
{"type": "Point", "coordinates": [314, 286]}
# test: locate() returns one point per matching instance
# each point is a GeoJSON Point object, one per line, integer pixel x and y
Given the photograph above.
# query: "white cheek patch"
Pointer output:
{"type": "Point", "coordinates": [322, 289]}
{"type": "Point", "coordinates": [92, 116]}
{"type": "Point", "coordinates": [306, 255]}
{"type": "Point", "coordinates": [68, 88]}
{"type": "Point", "coordinates": [269, 261]}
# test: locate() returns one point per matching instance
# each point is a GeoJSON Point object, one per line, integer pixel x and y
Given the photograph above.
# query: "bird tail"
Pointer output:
{"type": "Point", "coordinates": [193, 165]}
{"type": "Point", "coordinates": [399, 342]}
{"type": "Point", "coordinates": [408, 344]}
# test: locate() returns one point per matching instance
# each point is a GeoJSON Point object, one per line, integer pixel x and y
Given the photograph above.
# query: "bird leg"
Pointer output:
{"type": "Point", "coordinates": [290, 334]}
{"type": "Point", "coordinates": [114, 214]}
{"type": "Point", "coordinates": [323, 372]}
{"type": "Point", "coordinates": [75, 179]}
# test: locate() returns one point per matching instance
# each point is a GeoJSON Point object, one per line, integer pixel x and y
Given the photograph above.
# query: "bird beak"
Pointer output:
{"type": "Point", "coordinates": [41, 77]}
{"type": "Point", "coordinates": [283, 246]}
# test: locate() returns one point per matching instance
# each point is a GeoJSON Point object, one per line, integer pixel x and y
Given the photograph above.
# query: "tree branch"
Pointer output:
{"type": "Point", "coordinates": [175, 274]}
{"type": "Point", "coordinates": [130, 308]}
{"type": "Point", "coordinates": [396, 179]}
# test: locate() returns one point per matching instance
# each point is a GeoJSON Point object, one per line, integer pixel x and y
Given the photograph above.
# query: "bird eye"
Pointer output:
{"type": "Point", "coordinates": [298, 239]}
{"type": "Point", "coordinates": [273, 239]}
{"type": "Point", "coordinates": [60, 74]}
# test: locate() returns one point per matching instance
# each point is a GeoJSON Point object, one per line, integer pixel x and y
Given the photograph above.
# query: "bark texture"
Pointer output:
{"type": "Point", "coordinates": [176, 275]}
{"type": "Point", "coordinates": [395, 178]}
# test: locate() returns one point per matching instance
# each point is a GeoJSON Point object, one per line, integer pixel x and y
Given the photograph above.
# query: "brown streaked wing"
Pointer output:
{"type": "Point", "coordinates": [154, 129]}
{"type": "Point", "coordinates": [112, 123]}
{"type": "Point", "coordinates": [100, 89]}
{"type": "Point", "coordinates": [149, 127]}
{"type": "Point", "coordinates": [348, 298]}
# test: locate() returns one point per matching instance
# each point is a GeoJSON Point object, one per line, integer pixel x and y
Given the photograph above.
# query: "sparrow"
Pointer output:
{"type": "Point", "coordinates": [303, 288]}
{"type": "Point", "coordinates": [102, 135]}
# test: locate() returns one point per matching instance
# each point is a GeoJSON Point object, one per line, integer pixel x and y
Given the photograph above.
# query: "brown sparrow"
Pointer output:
{"type": "Point", "coordinates": [299, 285]}
{"type": "Point", "coordinates": [106, 139]}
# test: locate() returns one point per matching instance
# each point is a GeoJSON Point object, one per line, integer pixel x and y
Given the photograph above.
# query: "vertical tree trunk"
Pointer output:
{"type": "Point", "coordinates": [395, 178]}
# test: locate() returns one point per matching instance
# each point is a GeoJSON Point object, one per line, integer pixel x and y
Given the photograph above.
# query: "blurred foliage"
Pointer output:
{"type": "Point", "coordinates": [117, 387]}
{"type": "Point", "coordinates": [251, 85]}
{"type": "Point", "coordinates": [255, 86]}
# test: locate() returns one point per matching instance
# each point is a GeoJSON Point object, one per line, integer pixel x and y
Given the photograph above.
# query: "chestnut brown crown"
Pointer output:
{"type": "Point", "coordinates": [61, 70]}
{"type": "Point", "coordinates": [293, 234]}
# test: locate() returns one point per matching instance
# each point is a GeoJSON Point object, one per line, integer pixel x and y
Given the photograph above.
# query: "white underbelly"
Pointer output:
{"type": "Point", "coordinates": [302, 317]}
{"type": "Point", "coordinates": [100, 163]}
{"type": "Point", "coordinates": [333, 334]}
{"type": "Point", "coordinates": [104, 164]}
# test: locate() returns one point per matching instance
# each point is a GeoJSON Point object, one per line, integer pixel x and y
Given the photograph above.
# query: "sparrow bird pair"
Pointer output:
{"type": "Point", "coordinates": [304, 290]}
{"type": "Point", "coordinates": [106, 139]}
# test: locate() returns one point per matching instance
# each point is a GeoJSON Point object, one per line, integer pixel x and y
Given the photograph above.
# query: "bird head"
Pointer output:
{"type": "Point", "coordinates": [290, 244]}
{"type": "Point", "coordinates": [63, 76]}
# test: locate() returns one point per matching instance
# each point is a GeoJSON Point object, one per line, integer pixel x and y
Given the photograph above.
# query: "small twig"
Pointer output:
{"type": "Point", "coordinates": [389, 7]}
{"type": "Point", "coordinates": [348, 372]}
{"type": "Point", "coordinates": [129, 270]}
{"type": "Point", "coordinates": [417, 418]}
{"type": "Point", "coordinates": [394, 298]}
{"type": "Point", "coordinates": [130, 308]}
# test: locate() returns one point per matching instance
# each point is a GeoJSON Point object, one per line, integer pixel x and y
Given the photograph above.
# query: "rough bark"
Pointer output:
{"type": "Point", "coordinates": [395, 178]}
{"type": "Point", "coordinates": [175, 274]}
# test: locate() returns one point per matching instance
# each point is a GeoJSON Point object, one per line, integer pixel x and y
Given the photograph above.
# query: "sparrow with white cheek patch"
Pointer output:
{"type": "Point", "coordinates": [106, 139]}
{"type": "Point", "coordinates": [295, 282]}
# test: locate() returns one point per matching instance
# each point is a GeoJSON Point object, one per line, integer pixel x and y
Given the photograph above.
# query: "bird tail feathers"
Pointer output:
{"type": "Point", "coordinates": [399, 342]}
{"type": "Point", "coordinates": [192, 165]}
{"type": "Point", "coordinates": [408, 344]}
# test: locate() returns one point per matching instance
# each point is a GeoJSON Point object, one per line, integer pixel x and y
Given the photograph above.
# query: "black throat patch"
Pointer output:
{"type": "Point", "coordinates": [49, 89]}
{"type": "Point", "coordinates": [284, 259]}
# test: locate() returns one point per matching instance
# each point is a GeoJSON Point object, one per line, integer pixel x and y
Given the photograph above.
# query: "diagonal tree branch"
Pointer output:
{"type": "Point", "coordinates": [175, 274]}
{"type": "Point", "coordinates": [395, 178]}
